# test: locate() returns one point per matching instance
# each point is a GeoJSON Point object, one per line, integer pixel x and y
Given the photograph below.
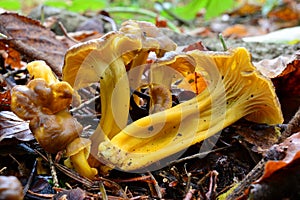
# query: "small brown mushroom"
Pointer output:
{"type": "Point", "coordinates": [55, 132]}
{"type": "Point", "coordinates": [10, 188]}
{"type": "Point", "coordinates": [44, 101]}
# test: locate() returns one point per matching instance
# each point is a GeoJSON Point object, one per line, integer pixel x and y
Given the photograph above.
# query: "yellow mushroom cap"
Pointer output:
{"type": "Point", "coordinates": [77, 145]}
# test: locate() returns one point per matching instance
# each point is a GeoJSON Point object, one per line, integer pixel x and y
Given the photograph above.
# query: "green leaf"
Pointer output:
{"type": "Point", "coordinates": [10, 4]}
{"type": "Point", "coordinates": [83, 5]}
{"type": "Point", "coordinates": [213, 8]}
{"type": "Point", "coordinates": [56, 3]}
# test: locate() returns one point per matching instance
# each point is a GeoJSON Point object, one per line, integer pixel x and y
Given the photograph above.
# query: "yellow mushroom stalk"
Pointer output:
{"type": "Point", "coordinates": [78, 152]}
{"type": "Point", "coordinates": [235, 90]}
{"type": "Point", "coordinates": [106, 60]}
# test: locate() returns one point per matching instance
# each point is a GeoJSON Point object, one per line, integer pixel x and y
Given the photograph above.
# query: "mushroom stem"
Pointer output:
{"type": "Point", "coordinates": [81, 165]}
{"type": "Point", "coordinates": [114, 85]}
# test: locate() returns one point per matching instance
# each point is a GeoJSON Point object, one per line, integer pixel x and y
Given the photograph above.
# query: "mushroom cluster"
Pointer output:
{"type": "Point", "coordinates": [227, 87]}
{"type": "Point", "coordinates": [45, 101]}
{"type": "Point", "coordinates": [231, 88]}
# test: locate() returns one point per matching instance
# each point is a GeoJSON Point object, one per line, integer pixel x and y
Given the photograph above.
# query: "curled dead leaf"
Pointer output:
{"type": "Point", "coordinates": [30, 38]}
{"type": "Point", "coordinates": [12, 126]}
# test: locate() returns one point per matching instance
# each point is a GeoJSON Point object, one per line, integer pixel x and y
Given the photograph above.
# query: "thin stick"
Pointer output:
{"type": "Point", "coordinates": [84, 104]}
{"type": "Point", "coordinates": [1, 170]}
{"type": "Point", "coordinates": [197, 155]}
{"type": "Point", "coordinates": [156, 186]}
{"type": "Point", "coordinates": [169, 12]}
{"type": "Point", "coordinates": [4, 36]}
{"type": "Point", "coordinates": [61, 26]}
{"type": "Point", "coordinates": [111, 21]}
{"type": "Point", "coordinates": [103, 191]}
{"type": "Point", "coordinates": [29, 181]}
{"type": "Point", "coordinates": [292, 127]}
{"type": "Point", "coordinates": [53, 171]}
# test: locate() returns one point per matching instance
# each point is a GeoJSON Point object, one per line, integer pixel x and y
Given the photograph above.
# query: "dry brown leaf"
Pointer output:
{"type": "Point", "coordinates": [288, 81]}
{"type": "Point", "coordinates": [12, 58]}
{"type": "Point", "coordinates": [197, 45]}
{"type": "Point", "coordinates": [12, 126]}
{"type": "Point", "coordinates": [240, 30]}
{"type": "Point", "coordinates": [291, 148]}
{"type": "Point", "coordinates": [284, 72]}
{"type": "Point", "coordinates": [246, 8]}
{"type": "Point", "coordinates": [287, 12]}
{"type": "Point", "coordinates": [30, 38]}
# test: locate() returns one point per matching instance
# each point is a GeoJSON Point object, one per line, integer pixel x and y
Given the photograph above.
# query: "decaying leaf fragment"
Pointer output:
{"type": "Point", "coordinates": [12, 126]}
{"type": "Point", "coordinates": [281, 177]}
{"type": "Point", "coordinates": [30, 38]}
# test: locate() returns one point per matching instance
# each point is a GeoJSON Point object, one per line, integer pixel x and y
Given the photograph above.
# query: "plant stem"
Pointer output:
{"type": "Point", "coordinates": [223, 42]}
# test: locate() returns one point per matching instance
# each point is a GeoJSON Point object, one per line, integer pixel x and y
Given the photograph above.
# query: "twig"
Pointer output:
{"type": "Point", "coordinates": [252, 176]}
{"type": "Point", "coordinates": [3, 36]}
{"type": "Point", "coordinates": [84, 104]}
{"type": "Point", "coordinates": [3, 168]}
{"type": "Point", "coordinates": [61, 26]}
{"type": "Point", "coordinates": [292, 127]}
{"type": "Point", "coordinates": [197, 155]}
{"type": "Point", "coordinates": [188, 183]}
{"type": "Point", "coordinates": [173, 15]}
{"type": "Point", "coordinates": [156, 186]}
{"type": "Point", "coordinates": [211, 194]}
{"type": "Point", "coordinates": [29, 181]}
{"type": "Point", "coordinates": [103, 191]}
{"type": "Point", "coordinates": [111, 21]}
{"type": "Point", "coordinates": [53, 171]}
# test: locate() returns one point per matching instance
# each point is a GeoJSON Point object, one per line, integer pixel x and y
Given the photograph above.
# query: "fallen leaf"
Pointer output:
{"type": "Point", "coordinates": [30, 38]}
{"type": "Point", "coordinates": [5, 100]}
{"type": "Point", "coordinates": [197, 45]}
{"type": "Point", "coordinates": [240, 30]}
{"type": "Point", "coordinates": [261, 136]}
{"type": "Point", "coordinates": [291, 150]}
{"type": "Point", "coordinates": [247, 8]}
{"type": "Point", "coordinates": [161, 23]}
{"type": "Point", "coordinates": [284, 72]}
{"type": "Point", "coordinates": [285, 13]}
{"type": "Point", "coordinates": [286, 35]}
{"type": "Point", "coordinates": [12, 58]}
{"type": "Point", "coordinates": [287, 82]}
{"type": "Point", "coordinates": [12, 126]}
{"type": "Point", "coordinates": [71, 194]}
